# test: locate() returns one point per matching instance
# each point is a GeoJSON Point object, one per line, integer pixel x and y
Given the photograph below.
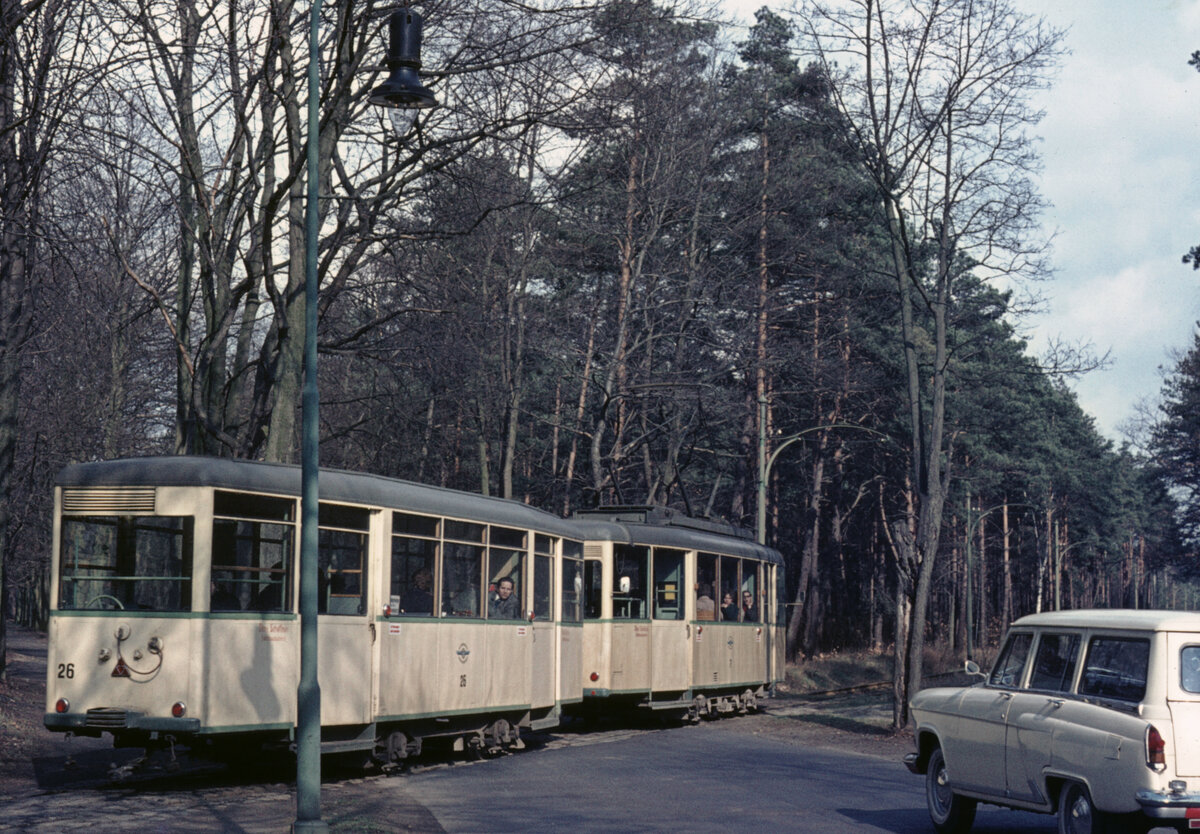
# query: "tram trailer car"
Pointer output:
{"type": "Point", "coordinates": [174, 613]}
{"type": "Point", "coordinates": [658, 633]}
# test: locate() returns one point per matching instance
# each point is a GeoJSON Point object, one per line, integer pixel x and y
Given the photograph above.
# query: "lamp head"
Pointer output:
{"type": "Point", "coordinates": [403, 88]}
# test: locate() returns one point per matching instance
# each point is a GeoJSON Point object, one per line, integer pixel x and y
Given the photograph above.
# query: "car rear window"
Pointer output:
{"type": "Point", "coordinates": [1116, 668]}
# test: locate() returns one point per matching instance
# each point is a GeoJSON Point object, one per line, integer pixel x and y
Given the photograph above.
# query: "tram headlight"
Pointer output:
{"type": "Point", "coordinates": [62, 705]}
{"type": "Point", "coordinates": [179, 709]}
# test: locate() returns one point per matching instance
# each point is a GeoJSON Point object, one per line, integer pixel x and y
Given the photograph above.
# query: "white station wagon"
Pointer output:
{"type": "Point", "coordinates": [1093, 715]}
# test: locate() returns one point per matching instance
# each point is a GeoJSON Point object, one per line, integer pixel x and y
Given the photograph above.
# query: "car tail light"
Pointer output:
{"type": "Point", "coordinates": [62, 705]}
{"type": "Point", "coordinates": [1156, 749]}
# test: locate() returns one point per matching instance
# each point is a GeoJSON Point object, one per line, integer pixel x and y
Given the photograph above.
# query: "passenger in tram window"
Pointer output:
{"type": "Point", "coordinates": [729, 610]}
{"type": "Point", "coordinates": [270, 598]}
{"type": "Point", "coordinates": [749, 609]}
{"type": "Point", "coordinates": [223, 599]}
{"type": "Point", "coordinates": [503, 604]}
{"type": "Point", "coordinates": [418, 599]}
{"type": "Point", "coordinates": [706, 608]}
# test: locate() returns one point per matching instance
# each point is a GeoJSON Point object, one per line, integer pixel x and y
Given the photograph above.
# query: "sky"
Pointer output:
{"type": "Point", "coordinates": [1120, 146]}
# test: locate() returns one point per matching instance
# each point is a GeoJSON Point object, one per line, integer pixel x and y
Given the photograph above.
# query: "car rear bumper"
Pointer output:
{"type": "Point", "coordinates": [1169, 805]}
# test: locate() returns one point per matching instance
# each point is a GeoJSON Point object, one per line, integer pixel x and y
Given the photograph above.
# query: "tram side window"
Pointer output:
{"type": "Point", "coordinates": [593, 585]}
{"type": "Point", "coordinates": [342, 559]}
{"type": "Point", "coordinates": [251, 552]}
{"type": "Point", "coordinates": [543, 578]}
{"type": "Point", "coordinates": [126, 562]}
{"type": "Point", "coordinates": [572, 588]}
{"type": "Point", "coordinates": [543, 588]}
{"type": "Point", "coordinates": [462, 571]}
{"type": "Point", "coordinates": [750, 598]}
{"type": "Point", "coordinates": [668, 584]}
{"type": "Point", "coordinates": [506, 567]}
{"type": "Point", "coordinates": [731, 597]}
{"type": "Point", "coordinates": [781, 599]}
{"type": "Point", "coordinates": [630, 563]}
{"type": "Point", "coordinates": [706, 580]}
{"type": "Point", "coordinates": [414, 564]}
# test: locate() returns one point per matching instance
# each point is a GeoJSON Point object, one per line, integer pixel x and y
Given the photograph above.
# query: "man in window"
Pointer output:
{"type": "Point", "coordinates": [749, 609]}
{"type": "Point", "coordinates": [503, 604]}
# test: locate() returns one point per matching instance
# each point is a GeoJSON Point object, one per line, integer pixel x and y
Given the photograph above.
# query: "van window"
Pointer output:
{"type": "Point", "coordinates": [1189, 669]}
{"type": "Point", "coordinates": [1054, 663]}
{"type": "Point", "coordinates": [1116, 668]}
{"type": "Point", "coordinates": [1008, 668]}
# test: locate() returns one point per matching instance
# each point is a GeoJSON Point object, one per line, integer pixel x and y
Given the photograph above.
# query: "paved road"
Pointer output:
{"type": "Point", "coordinates": [712, 777]}
{"type": "Point", "coordinates": [695, 779]}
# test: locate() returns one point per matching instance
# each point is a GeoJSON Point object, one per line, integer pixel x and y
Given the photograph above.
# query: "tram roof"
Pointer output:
{"type": "Point", "coordinates": [334, 485]}
{"type": "Point", "coordinates": [662, 527]}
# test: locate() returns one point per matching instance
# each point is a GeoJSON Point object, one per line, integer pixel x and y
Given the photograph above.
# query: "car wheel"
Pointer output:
{"type": "Point", "coordinates": [1077, 814]}
{"type": "Point", "coordinates": [949, 812]}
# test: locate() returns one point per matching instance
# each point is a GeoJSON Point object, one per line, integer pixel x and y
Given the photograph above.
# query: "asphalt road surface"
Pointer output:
{"type": "Point", "coordinates": [694, 779]}
{"type": "Point", "coordinates": [709, 778]}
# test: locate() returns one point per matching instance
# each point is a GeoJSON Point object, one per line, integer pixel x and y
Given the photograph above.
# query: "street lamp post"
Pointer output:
{"type": "Point", "coordinates": [401, 90]}
{"type": "Point", "coordinates": [766, 461]}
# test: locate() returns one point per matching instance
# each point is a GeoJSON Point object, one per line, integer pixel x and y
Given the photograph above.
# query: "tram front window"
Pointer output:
{"type": "Point", "coordinates": [141, 563]}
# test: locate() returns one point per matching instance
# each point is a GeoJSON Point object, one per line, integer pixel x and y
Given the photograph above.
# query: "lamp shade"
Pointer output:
{"type": "Point", "coordinates": [403, 86]}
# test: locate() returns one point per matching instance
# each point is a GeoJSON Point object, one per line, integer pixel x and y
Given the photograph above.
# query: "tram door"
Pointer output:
{"type": "Point", "coordinates": [346, 634]}
{"type": "Point", "coordinates": [544, 667]}
{"type": "Point", "coordinates": [670, 653]}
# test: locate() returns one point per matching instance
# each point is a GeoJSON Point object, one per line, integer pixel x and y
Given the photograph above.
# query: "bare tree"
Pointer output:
{"type": "Point", "coordinates": [47, 62]}
{"type": "Point", "coordinates": [936, 94]}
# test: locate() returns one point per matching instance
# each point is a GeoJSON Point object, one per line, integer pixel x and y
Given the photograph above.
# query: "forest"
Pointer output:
{"type": "Point", "coordinates": [638, 255]}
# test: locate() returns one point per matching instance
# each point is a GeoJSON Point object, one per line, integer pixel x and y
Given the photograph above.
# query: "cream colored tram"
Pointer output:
{"type": "Point", "coordinates": [656, 632]}
{"type": "Point", "coordinates": [173, 617]}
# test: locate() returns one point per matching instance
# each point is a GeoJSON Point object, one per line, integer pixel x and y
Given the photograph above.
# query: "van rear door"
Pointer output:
{"type": "Point", "coordinates": [1183, 697]}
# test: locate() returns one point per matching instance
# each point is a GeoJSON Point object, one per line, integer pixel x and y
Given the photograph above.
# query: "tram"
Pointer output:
{"type": "Point", "coordinates": [442, 614]}
{"type": "Point", "coordinates": [681, 614]}
{"type": "Point", "coordinates": [174, 612]}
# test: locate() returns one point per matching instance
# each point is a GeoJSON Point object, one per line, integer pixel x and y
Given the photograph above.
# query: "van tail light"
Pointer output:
{"type": "Point", "coordinates": [1156, 749]}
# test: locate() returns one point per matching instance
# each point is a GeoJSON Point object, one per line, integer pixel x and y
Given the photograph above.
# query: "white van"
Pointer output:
{"type": "Point", "coordinates": [1093, 715]}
